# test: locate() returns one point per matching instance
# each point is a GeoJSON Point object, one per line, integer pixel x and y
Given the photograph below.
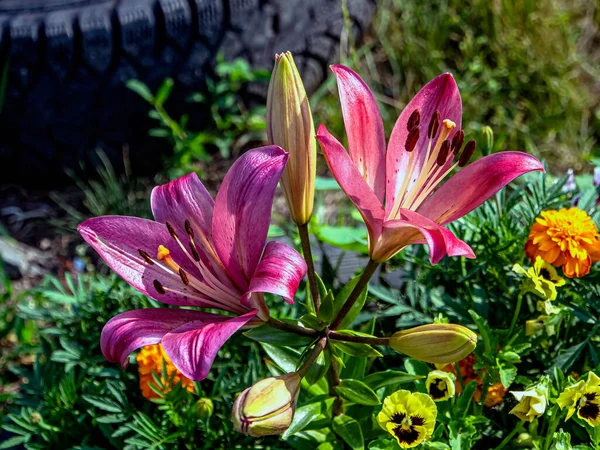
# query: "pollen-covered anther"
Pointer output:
{"type": "Point", "coordinates": [159, 287]}
{"type": "Point", "coordinates": [434, 125]}
{"type": "Point", "coordinates": [443, 154]}
{"type": "Point", "coordinates": [467, 153]}
{"type": "Point", "coordinates": [412, 139]}
{"type": "Point", "coordinates": [414, 120]}
{"type": "Point", "coordinates": [184, 277]}
{"type": "Point", "coordinates": [146, 257]}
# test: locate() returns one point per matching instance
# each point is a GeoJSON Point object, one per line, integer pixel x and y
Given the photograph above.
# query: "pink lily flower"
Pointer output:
{"type": "Point", "coordinates": [398, 191]}
{"type": "Point", "coordinates": [198, 253]}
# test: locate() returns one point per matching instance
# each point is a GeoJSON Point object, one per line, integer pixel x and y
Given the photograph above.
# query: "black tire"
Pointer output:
{"type": "Point", "coordinates": [68, 61]}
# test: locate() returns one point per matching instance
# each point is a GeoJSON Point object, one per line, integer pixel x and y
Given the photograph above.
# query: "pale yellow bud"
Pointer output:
{"type": "Point", "coordinates": [205, 408]}
{"type": "Point", "coordinates": [532, 403]}
{"type": "Point", "coordinates": [290, 125]}
{"type": "Point", "coordinates": [267, 407]}
{"type": "Point", "coordinates": [436, 343]}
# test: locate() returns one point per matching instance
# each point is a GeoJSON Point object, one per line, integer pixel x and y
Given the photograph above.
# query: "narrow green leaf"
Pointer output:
{"type": "Point", "coordinates": [464, 399]}
{"type": "Point", "coordinates": [319, 367]}
{"type": "Point", "coordinates": [356, 391]}
{"type": "Point", "coordinates": [326, 308]}
{"type": "Point", "coordinates": [307, 413]}
{"type": "Point", "coordinates": [357, 349]}
{"type": "Point", "coordinates": [378, 380]}
{"type": "Point", "coordinates": [103, 403]}
{"type": "Point", "coordinates": [141, 89]}
{"type": "Point", "coordinates": [349, 430]}
{"type": "Point", "coordinates": [384, 444]}
{"type": "Point", "coordinates": [285, 358]}
{"type": "Point", "coordinates": [277, 337]}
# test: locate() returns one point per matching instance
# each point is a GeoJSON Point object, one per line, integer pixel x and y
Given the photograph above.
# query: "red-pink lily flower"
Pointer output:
{"type": "Point", "coordinates": [397, 192]}
{"type": "Point", "coordinates": [198, 253]}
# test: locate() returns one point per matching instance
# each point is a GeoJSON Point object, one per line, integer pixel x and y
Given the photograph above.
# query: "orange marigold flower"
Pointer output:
{"type": "Point", "coordinates": [150, 359]}
{"type": "Point", "coordinates": [495, 393]}
{"type": "Point", "coordinates": [567, 238]}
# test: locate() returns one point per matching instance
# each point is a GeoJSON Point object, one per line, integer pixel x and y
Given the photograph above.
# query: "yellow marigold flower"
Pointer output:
{"type": "Point", "coordinates": [409, 417]}
{"type": "Point", "coordinates": [150, 359]}
{"type": "Point", "coordinates": [541, 279]}
{"type": "Point", "coordinates": [440, 385]}
{"type": "Point", "coordinates": [583, 398]}
{"type": "Point", "coordinates": [567, 238]}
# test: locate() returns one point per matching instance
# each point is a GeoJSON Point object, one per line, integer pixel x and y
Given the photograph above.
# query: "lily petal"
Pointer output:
{"type": "Point", "coordinates": [193, 346]}
{"type": "Point", "coordinates": [118, 239]}
{"type": "Point", "coordinates": [416, 229]}
{"type": "Point", "coordinates": [131, 330]}
{"type": "Point", "coordinates": [183, 199]}
{"type": "Point", "coordinates": [475, 183]}
{"type": "Point", "coordinates": [243, 211]}
{"type": "Point", "coordinates": [279, 272]}
{"type": "Point", "coordinates": [352, 182]}
{"type": "Point", "coordinates": [364, 127]}
{"type": "Point", "coordinates": [440, 94]}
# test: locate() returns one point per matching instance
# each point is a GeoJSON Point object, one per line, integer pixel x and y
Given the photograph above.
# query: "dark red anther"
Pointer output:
{"type": "Point", "coordinates": [412, 139]}
{"type": "Point", "coordinates": [467, 153]}
{"type": "Point", "coordinates": [171, 230]}
{"type": "Point", "coordinates": [434, 125]}
{"type": "Point", "coordinates": [159, 287]}
{"type": "Point", "coordinates": [194, 252]}
{"type": "Point", "coordinates": [457, 141]}
{"type": "Point", "coordinates": [183, 276]}
{"type": "Point", "coordinates": [414, 120]}
{"type": "Point", "coordinates": [188, 229]}
{"type": "Point", "coordinates": [443, 154]}
{"type": "Point", "coordinates": [146, 257]}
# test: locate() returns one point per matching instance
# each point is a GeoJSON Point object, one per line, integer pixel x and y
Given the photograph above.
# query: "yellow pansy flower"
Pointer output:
{"type": "Point", "coordinates": [541, 279]}
{"type": "Point", "coordinates": [532, 403]}
{"type": "Point", "coordinates": [409, 417]}
{"type": "Point", "coordinates": [584, 398]}
{"type": "Point", "coordinates": [440, 385]}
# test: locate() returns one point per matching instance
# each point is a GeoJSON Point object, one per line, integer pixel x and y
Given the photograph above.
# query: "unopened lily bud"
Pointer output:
{"type": "Point", "coordinates": [436, 343]}
{"type": "Point", "coordinates": [267, 407]}
{"type": "Point", "coordinates": [204, 408]}
{"type": "Point", "coordinates": [290, 125]}
{"type": "Point", "coordinates": [440, 385]}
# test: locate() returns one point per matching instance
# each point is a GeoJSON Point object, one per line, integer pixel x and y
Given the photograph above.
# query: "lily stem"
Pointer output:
{"type": "Point", "coordinates": [333, 379]}
{"type": "Point", "coordinates": [290, 328]}
{"type": "Point", "coordinates": [515, 315]}
{"type": "Point", "coordinates": [362, 282]}
{"type": "Point", "coordinates": [360, 339]}
{"type": "Point", "coordinates": [310, 265]}
{"type": "Point", "coordinates": [312, 357]}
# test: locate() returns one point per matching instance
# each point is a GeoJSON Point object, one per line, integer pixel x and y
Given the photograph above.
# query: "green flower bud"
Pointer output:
{"type": "Point", "coordinates": [436, 343]}
{"type": "Point", "coordinates": [267, 407]}
{"type": "Point", "coordinates": [205, 408]}
{"type": "Point", "coordinates": [290, 125]}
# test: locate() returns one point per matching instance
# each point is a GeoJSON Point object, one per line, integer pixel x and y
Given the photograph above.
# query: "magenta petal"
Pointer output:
{"type": "Point", "coordinates": [193, 346]}
{"type": "Point", "coordinates": [475, 183]}
{"type": "Point", "coordinates": [352, 182]}
{"type": "Point", "coordinates": [440, 94]}
{"type": "Point", "coordinates": [279, 272]}
{"type": "Point", "coordinates": [118, 240]}
{"type": "Point", "coordinates": [416, 229]}
{"type": "Point", "coordinates": [364, 127]}
{"type": "Point", "coordinates": [131, 330]}
{"type": "Point", "coordinates": [183, 199]}
{"type": "Point", "coordinates": [243, 211]}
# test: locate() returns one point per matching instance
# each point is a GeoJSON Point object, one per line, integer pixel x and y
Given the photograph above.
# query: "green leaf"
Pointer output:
{"type": "Point", "coordinates": [326, 309]}
{"type": "Point", "coordinates": [384, 444]}
{"type": "Point", "coordinates": [103, 403]}
{"type": "Point", "coordinates": [14, 441]}
{"type": "Point", "coordinates": [508, 373]}
{"type": "Point", "coordinates": [346, 238]}
{"type": "Point", "coordinates": [341, 298]}
{"type": "Point", "coordinates": [349, 430]}
{"type": "Point", "coordinates": [510, 357]}
{"type": "Point", "coordinates": [141, 89]}
{"type": "Point", "coordinates": [566, 359]}
{"type": "Point", "coordinates": [356, 391]}
{"type": "Point", "coordinates": [378, 380]}
{"type": "Point", "coordinates": [307, 413]}
{"type": "Point", "coordinates": [311, 321]}
{"type": "Point", "coordinates": [326, 184]}
{"type": "Point", "coordinates": [285, 358]}
{"type": "Point", "coordinates": [464, 399]}
{"type": "Point", "coordinates": [357, 349]}
{"type": "Point", "coordinates": [280, 338]}
{"type": "Point", "coordinates": [164, 91]}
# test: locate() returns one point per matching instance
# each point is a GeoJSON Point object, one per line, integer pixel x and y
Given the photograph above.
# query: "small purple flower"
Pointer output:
{"type": "Point", "coordinates": [570, 185]}
{"type": "Point", "coordinates": [202, 253]}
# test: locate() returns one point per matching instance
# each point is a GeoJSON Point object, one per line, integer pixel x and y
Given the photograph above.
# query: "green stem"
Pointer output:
{"type": "Point", "coordinates": [508, 438]}
{"type": "Point", "coordinates": [360, 339]}
{"type": "Point", "coordinates": [556, 414]}
{"type": "Point", "coordinates": [515, 315]}
{"type": "Point", "coordinates": [310, 265]}
{"type": "Point", "coordinates": [312, 357]}
{"type": "Point", "coordinates": [308, 332]}
{"type": "Point", "coordinates": [333, 378]}
{"type": "Point", "coordinates": [362, 282]}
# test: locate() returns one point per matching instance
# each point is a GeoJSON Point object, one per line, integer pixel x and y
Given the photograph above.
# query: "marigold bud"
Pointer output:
{"type": "Point", "coordinates": [436, 343]}
{"type": "Point", "coordinates": [267, 407]}
{"type": "Point", "coordinates": [290, 125]}
{"type": "Point", "coordinates": [205, 408]}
